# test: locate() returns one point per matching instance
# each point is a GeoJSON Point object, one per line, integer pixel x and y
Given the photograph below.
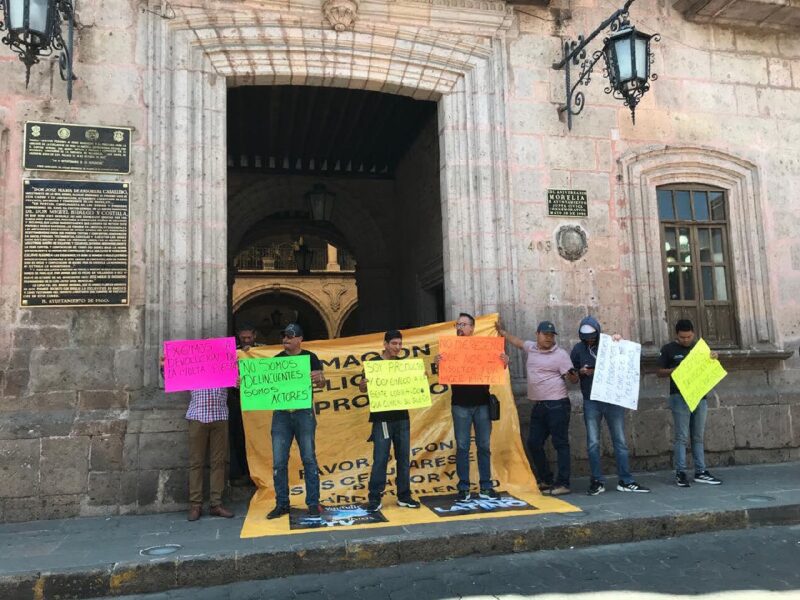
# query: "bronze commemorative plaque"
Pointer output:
{"type": "Point", "coordinates": [74, 243]}
{"type": "Point", "coordinates": [77, 148]}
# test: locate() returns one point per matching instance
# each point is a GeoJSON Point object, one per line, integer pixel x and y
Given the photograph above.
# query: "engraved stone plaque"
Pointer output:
{"type": "Point", "coordinates": [567, 203]}
{"type": "Point", "coordinates": [74, 243]}
{"type": "Point", "coordinates": [77, 148]}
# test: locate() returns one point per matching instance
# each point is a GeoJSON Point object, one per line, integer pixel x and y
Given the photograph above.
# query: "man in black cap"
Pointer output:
{"type": "Point", "coordinates": [300, 424]}
{"type": "Point", "coordinates": [549, 367]}
{"type": "Point", "coordinates": [239, 470]}
{"type": "Point", "coordinates": [390, 428]}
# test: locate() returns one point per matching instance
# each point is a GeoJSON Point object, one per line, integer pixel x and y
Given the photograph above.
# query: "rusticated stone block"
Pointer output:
{"type": "Point", "coordinates": [163, 450]}
{"type": "Point", "coordinates": [719, 430]}
{"type": "Point", "coordinates": [61, 506]}
{"type": "Point", "coordinates": [176, 486]}
{"type": "Point", "coordinates": [651, 432]}
{"type": "Point", "coordinates": [147, 488]}
{"type": "Point", "coordinates": [65, 465]}
{"type": "Point", "coordinates": [71, 369]}
{"type": "Point", "coordinates": [128, 368]}
{"type": "Point", "coordinates": [102, 400]}
{"type": "Point", "coordinates": [794, 412]}
{"type": "Point", "coordinates": [104, 488]}
{"type": "Point", "coordinates": [16, 382]}
{"type": "Point", "coordinates": [106, 453]}
{"type": "Point", "coordinates": [776, 430]}
{"type": "Point", "coordinates": [41, 337]}
{"type": "Point", "coordinates": [99, 422]}
{"type": "Point", "coordinates": [19, 468]}
{"type": "Point", "coordinates": [747, 426]}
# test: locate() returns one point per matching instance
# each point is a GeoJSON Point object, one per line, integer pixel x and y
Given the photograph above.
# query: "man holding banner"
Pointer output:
{"type": "Point", "coordinates": [687, 422]}
{"type": "Point", "coordinates": [549, 367]}
{"type": "Point", "coordinates": [390, 428]}
{"type": "Point", "coordinates": [298, 423]}
{"type": "Point", "coordinates": [584, 359]}
{"type": "Point", "coordinates": [470, 408]}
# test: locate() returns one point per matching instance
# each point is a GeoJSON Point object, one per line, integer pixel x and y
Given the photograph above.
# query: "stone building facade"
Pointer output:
{"type": "Point", "coordinates": [85, 427]}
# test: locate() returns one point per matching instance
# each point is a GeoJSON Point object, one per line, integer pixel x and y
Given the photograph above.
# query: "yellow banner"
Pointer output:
{"type": "Point", "coordinates": [697, 374]}
{"type": "Point", "coordinates": [397, 384]}
{"type": "Point", "coordinates": [344, 456]}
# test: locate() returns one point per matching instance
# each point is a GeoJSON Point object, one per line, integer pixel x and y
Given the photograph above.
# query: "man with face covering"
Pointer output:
{"type": "Point", "coordinates": [584, 357]}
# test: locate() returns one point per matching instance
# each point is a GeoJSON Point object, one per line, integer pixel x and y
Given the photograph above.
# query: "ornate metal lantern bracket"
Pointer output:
{"type": "Point", "coordinates": [574, 55]}
{"type": "Point", "coordinates": [32, 46]}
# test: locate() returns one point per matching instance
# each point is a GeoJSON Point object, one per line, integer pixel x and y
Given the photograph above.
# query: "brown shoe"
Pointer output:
{"type": "Point", "coordinates": [545, 487]}
{"type": "Point", "coordinates": [220, 511]}
{"type": "Point", "coordinates": [194, 512]}
{"type": "Point", "coordinates": [560, 490]}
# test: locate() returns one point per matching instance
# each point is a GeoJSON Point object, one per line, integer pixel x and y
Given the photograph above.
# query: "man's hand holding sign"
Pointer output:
{"type": "Point", "coordinates": [698, 374]}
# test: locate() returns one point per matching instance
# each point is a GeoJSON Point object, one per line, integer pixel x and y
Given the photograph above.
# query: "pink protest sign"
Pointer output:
{"type": "Point", "coordinates": [200, 364]}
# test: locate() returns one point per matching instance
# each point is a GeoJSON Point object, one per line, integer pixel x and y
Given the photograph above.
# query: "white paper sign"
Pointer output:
{"type": "Point", "coordinates": [616, 373]}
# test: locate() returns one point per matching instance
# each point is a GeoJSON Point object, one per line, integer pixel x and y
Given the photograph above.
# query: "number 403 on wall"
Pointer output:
{"type": "Point", "coordinates": [540, 246]}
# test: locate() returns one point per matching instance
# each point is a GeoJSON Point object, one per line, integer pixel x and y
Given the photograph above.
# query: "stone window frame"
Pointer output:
{"type": "Point", "coordinates": [642, 171]}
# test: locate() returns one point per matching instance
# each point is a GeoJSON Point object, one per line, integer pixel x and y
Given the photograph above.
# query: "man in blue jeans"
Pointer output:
{"type": "Point", "coordinates": [549, 368]}
{"type": "Point", "coordinates": [687, 423]}
{"type": "Point", "coordinates": [584, 358]}
{"type": "Point", "coordinates": [470, 407]}
{"type": "Point", "coordinates": [390, 428]}
{"type": "Point", "coordinates": [300, 424]}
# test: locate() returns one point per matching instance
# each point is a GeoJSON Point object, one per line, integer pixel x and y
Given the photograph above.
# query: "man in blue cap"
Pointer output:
{"type": "Point", "coordinates": [549, 368]}
{"type": "Point", "coordinates": [584, 358]}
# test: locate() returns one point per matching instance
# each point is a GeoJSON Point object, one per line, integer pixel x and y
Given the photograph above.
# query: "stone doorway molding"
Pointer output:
{"type": "Point", "coordinates": [451, 51]}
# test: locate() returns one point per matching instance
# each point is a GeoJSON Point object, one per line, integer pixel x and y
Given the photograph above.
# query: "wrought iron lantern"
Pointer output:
{"type": "Point", "coordinates": [302, 258]}
{"type": "Point", "coordinates": [320, 202]}
{"type": "Point", "coordinates": [627, 58]}
{"type": "Point", "coordinates": [34, 32]}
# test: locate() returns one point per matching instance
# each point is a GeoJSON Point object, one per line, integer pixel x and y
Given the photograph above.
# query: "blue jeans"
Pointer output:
{"type": "Point", "coordinates": [550, 418]}
{"type": "Point", "coordinates": [286, 426]}
{"type": "Point", "coordinates": [593, 413]}
{"type": "Point", "coordinates": [384, 435]}
{"type": "Point", "coordinates": [688, 424]}
{"type": "Point", "coordinates": [464, 417]}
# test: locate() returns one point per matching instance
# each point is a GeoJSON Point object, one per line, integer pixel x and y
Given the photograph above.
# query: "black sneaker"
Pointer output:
{"type": "Point", "coordinates": [463, 495]}
{"type": "Point", "coordinates": [596, 487]}
{"type": "Point", "coordinates": [706, 477]}
{"type": "Point", "coordinates": [314, 511]}
{"type": "Point", "coordinates": [408, 502]}
{"type": "Point", "coordinates": [278, 511]}
{"type": "Point", "coordinates": [632, 487]}
{"type": "Point", "coordinates": [374, 506]}
{"type": "Point", "coordinates": [488, 494]}
{"type": "Point", "coordinates": [681, 480]}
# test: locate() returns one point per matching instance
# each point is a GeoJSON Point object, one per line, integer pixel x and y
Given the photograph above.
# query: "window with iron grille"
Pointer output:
{"type": "Point", "coordinates": [698, 275]}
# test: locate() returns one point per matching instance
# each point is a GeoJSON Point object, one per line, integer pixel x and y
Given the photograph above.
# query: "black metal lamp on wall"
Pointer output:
{"type": "Point", "coordinates": [34, 32]}
{"type": "Point", "coordinates": [627, 57]}
{"type": "Point", "coordinates": [320, 202]}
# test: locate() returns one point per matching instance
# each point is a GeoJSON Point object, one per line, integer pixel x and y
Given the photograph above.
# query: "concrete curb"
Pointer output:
{"type": "Point", "coordinates": [118, 579]}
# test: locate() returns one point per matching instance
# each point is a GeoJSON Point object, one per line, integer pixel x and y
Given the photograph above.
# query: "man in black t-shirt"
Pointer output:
{"type": "Point", "coordinates": [687, 423]}
{"type": "Point", "coordinates": [239, 470]}
{"type": "Point", "coordinates": [390, 428]}
{"type": "Point", "coordinates": [470, 407]}
{"type": "Point", "coordinates": [300, 424]}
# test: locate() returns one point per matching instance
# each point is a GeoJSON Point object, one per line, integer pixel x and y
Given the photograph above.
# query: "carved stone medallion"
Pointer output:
{"type": "Point", "coordinates": [571, 242]}
{"type": "Point", "coordinates": [341, 14]}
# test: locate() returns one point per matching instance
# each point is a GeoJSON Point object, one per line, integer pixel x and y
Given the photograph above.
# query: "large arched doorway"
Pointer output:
{"type": "Point", "coordinates": [335, 193]}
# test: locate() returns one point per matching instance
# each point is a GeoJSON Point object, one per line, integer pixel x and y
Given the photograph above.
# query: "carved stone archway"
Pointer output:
{"type": "Point", "coordinates": [451, 51]}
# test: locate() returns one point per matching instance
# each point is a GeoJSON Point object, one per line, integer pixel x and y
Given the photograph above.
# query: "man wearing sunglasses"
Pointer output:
{"type": "Point", "coordinates": [300, 424]}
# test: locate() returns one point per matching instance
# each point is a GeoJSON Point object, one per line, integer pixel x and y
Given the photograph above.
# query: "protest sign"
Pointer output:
{"type": "Point", "coordinates": [616, 372]}
{"type": "Point", "coordinates": [697, 374]}
{"type": "Point", "coordinates": [397, 384]}
{"type": "Point", "coordinates": [199, 364]}
{"type": "Point", "coordinates": [471, 360]}
{"type": "Point", "coordinates": [276, 383]}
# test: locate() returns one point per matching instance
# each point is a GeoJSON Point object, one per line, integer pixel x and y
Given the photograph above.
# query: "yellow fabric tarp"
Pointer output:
{"type": "Point", "coordinates": [345, 457]}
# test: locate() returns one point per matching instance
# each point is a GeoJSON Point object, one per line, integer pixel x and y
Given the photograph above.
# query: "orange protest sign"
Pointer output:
{"type": "Point", "coordinates": [471, 360]}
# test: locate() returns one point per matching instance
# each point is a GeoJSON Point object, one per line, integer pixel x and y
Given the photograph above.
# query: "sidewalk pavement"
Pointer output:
{"type": "Point", "coordinates": [101, 556]}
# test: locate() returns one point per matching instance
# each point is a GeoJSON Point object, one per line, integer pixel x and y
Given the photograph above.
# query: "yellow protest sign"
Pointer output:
{"type": "Point", "coordinates": [344, 455]}
{"type": "Point", "coordinates": [697, 374]}
{"type": "Point", "coordinates": [397, 384]}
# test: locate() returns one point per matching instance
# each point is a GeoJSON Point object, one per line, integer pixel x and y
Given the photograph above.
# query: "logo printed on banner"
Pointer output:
{"type": "Point", "coordinates": [451, 506]}
{"type": "Point", "coordinates": [336, 516]}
